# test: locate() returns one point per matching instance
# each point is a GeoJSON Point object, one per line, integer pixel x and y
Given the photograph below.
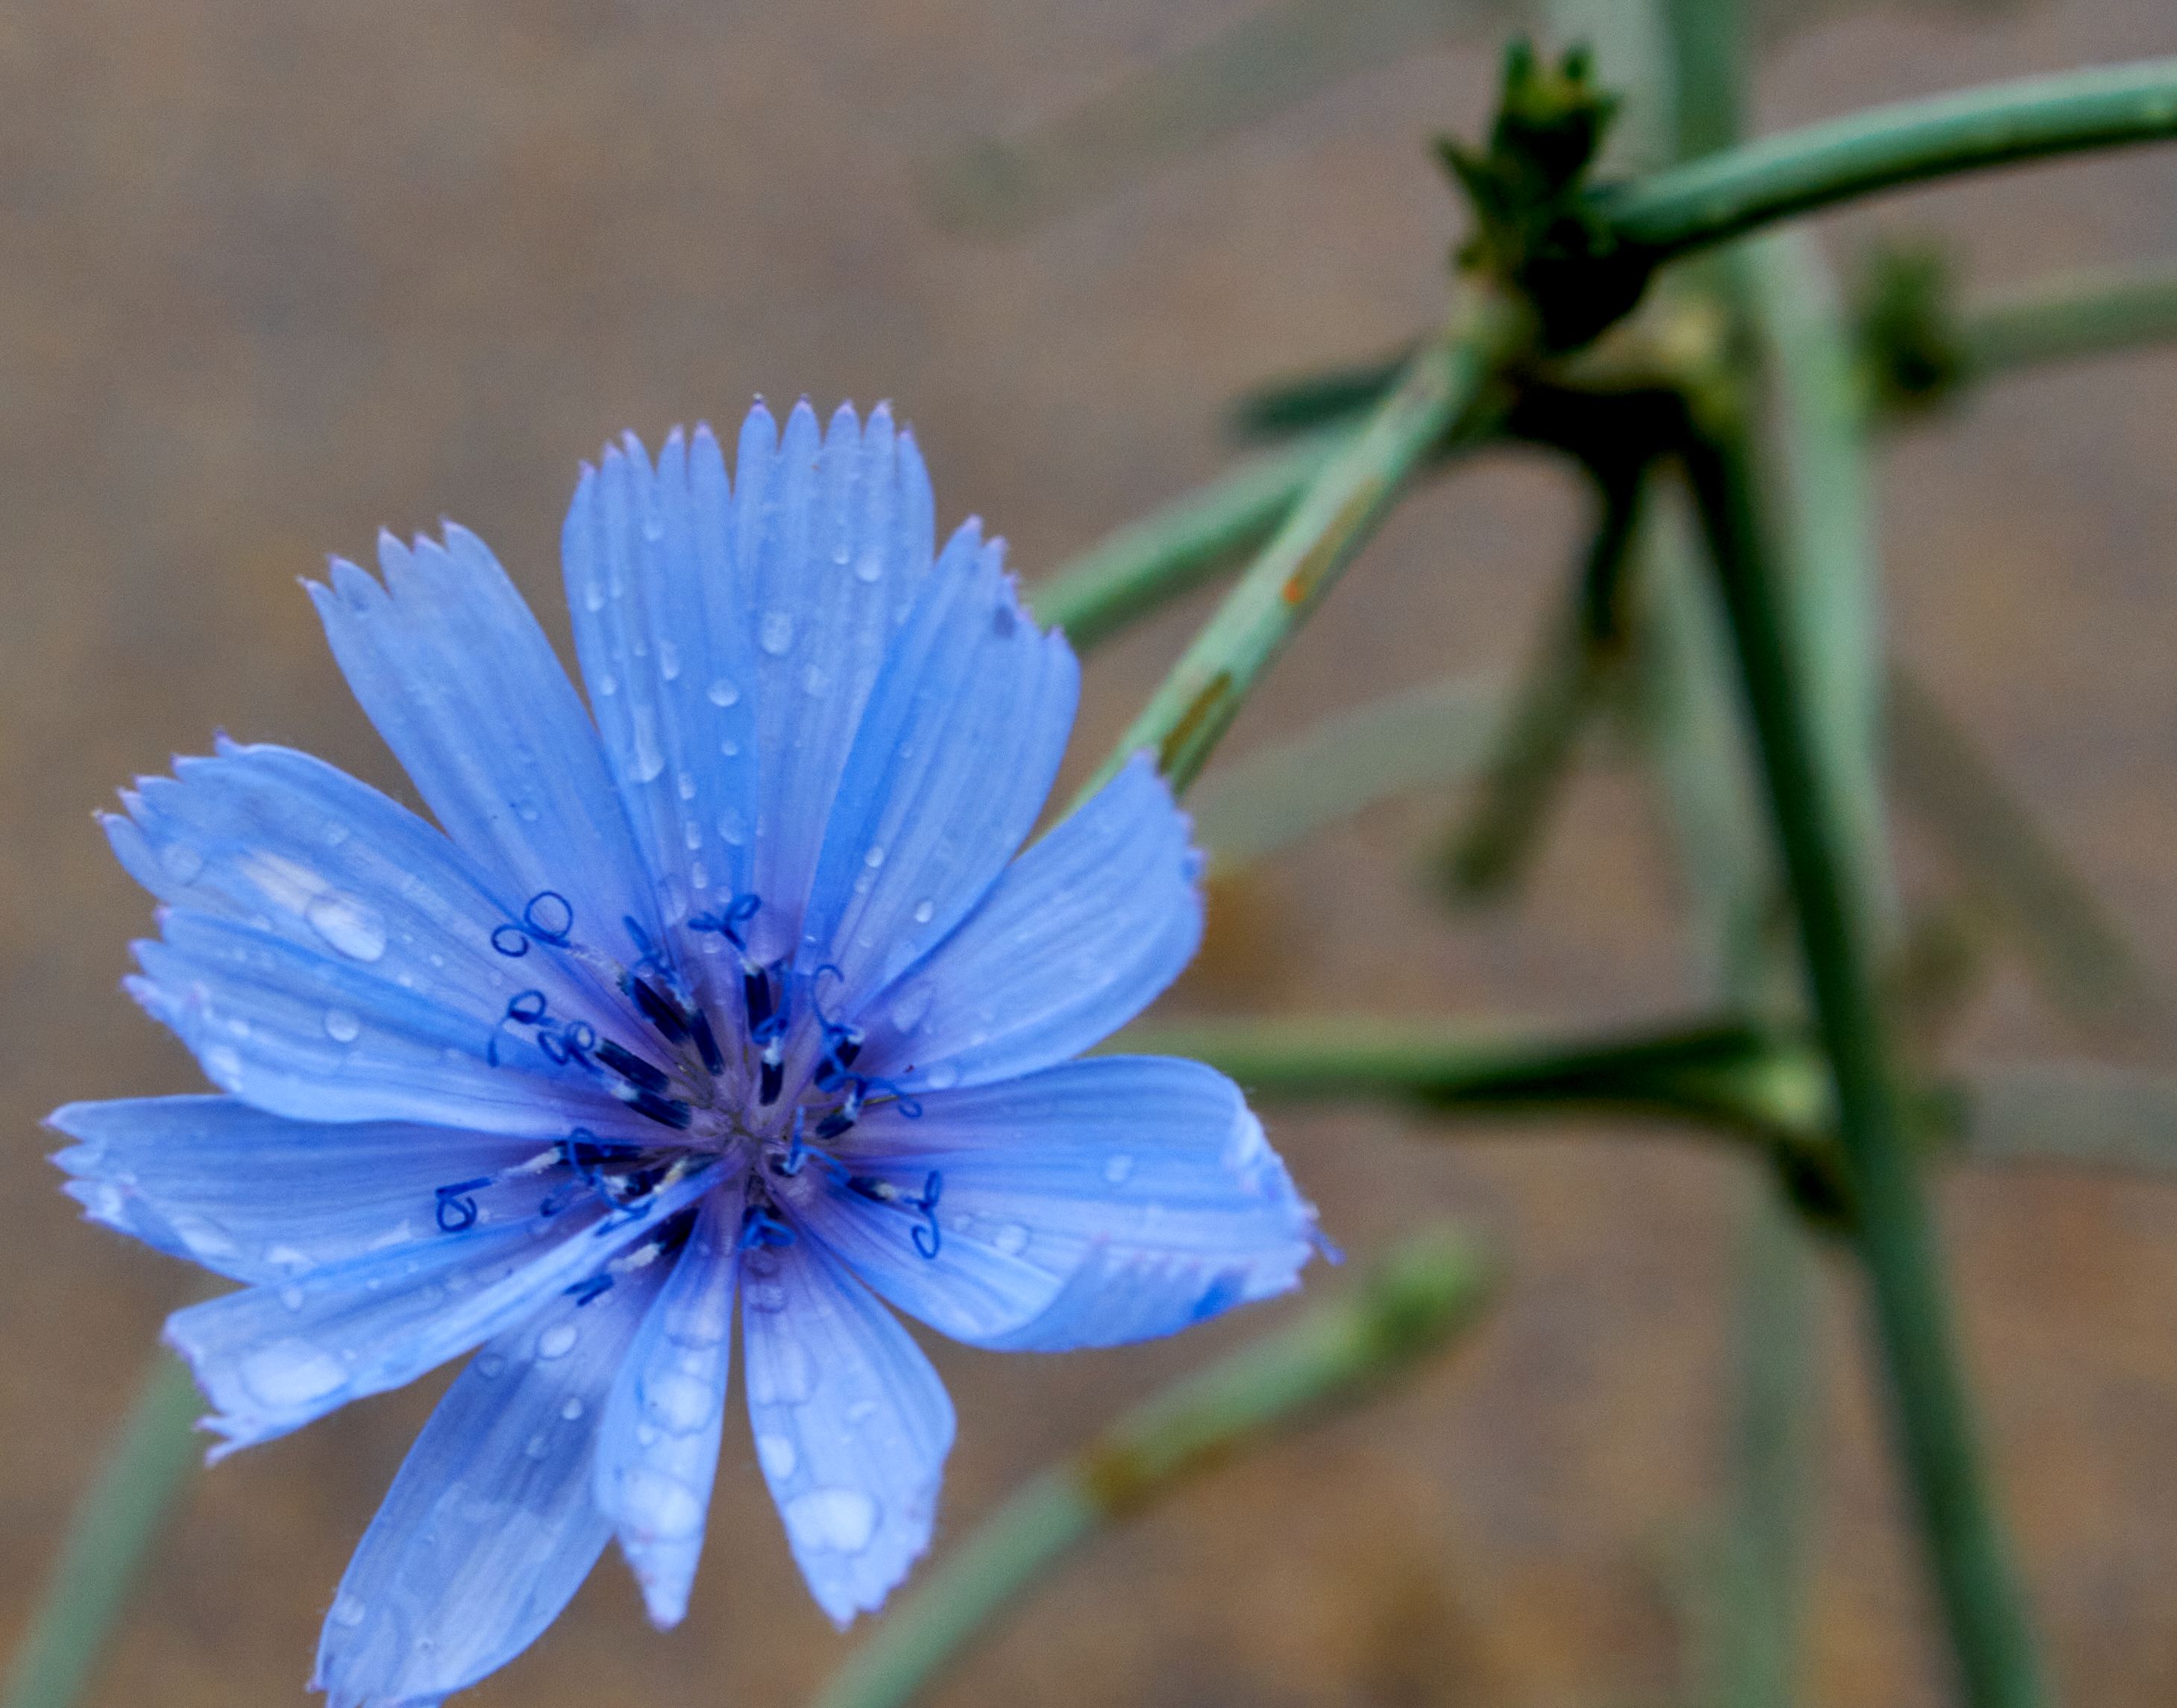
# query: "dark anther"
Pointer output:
{"type": "Point", "coordinates": [658, 1009]}
{"type": "Point", "coordinates": [526, 1008]}
{"type": "Point", "coordinates": [631, 1067]}
{"type": "Point", "coordinates": [706, 1042]}
{"type": "Point", "coordinates": [878, 1191]}
{"type": "Point", "coordinates": [772, 1080]}
{"type": "Point", "coordinates": [510, 940]}
{"type": "Point", "coordinates": [457, 1211]}
{"type": "Point", "coordinates": [549, 917]}
{"type": "Point", "coordinates": [666, 1112]}
{"type": "Point", "coordinates": [755, 994]}
{"type": "Point", "coordinates": [832, 1125]}
{"type": "Point", "coordinates": [588, 1288]}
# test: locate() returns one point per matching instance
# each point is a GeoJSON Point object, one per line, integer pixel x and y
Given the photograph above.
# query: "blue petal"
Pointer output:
{"type": "Point", "coordinates": [1098, 1202]}
{"type": "Point", "coordinates": [272, 1358]}
{"type": "Point", "coordinates": [318, 1038]}
{"type": "Point", "coordinates": [263, 1198]}
{"type": "Point", "coordinates": [832, 532]}
{"type": "Point", "coordinates": [489, 1528]}
{"type": "Point", "coordinates": [280, 840]}
{"type": "Point", "coordinates": [956, 753]}
{"type": "Point", "coordinates": [659, 1449]}
{"type": "Point", "coordinates": [662, 622]}
{"type": "Point", "coordinates": [1077, 937]}
{"type": "Point", "coordinates": [852, 1425]}
{"type": "Point", "coordinates": [452, 668]}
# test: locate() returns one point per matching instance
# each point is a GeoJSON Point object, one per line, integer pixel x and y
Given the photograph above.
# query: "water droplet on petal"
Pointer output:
{"type": "Point", "coordinates": [869, 568]}
{"type": "Point", "coordinates": [654, 525]}
{"type": "Point", "coordinates": [873, 857]}
{"type": "Point", "coordinates": [681, 1404]}
{"type": "Point", "coordinates": [571, 1410]}
{"type": "Point", "coordinates": [924, 912]}
{"type": "Point", "coordinates": [556, 1341]}
{"type": "Point", "coordinates": [942, 1076]}
{"type": "Point", "coordinates": [657, 1505]}
{"type": "Point", "coordinates": [782, 1376]}
{"type": "Point", "coordinates": [342, 1027]}
{"type": "Point", "coordinates": [221, 1062]}
{"type": "Point", "coordinates": [608, 685]}
{"type": "Point", "coordinates": [291, 1372]}
{"type": "Point", "coordinates": [842, 1519]}
{"type": "Point", "coordinates": [776, 633]}
{"type": "Point", "coordinates": [777, 1456]}
{"type": "Point", "coordinates": [182, 862]}
{"type": "Point", "coordinates": [669, 661]}
{"type": "Point", "coordinates": [1011, 1239]}
{"type": "Point", "coordinates": [649, 762]}
{"type": "Point", "coordinates": [861, 1411]}
{"type": "Point", "coordinates": [912, 1008]}
{"type": "Point", "coordinates": [722, 692]}
{"type": "Point", "coordinates": [349, 926]}
{"type": "Point", "coordinates": [1119, 1170]}
{"type": "Point", "coordinates": [291, 1297]}
{"type": "Point", "coordinates": [348, 1609]}
{"type": "Point", "coordinates": [685, 782]}
{"type": "Point", "coordinates": [538, 1446]}
{"type": "Point", "coordinates": [489, 1365]}
{"type": "Point", "coordinates": [766, 1296]}
{"type": "Point", "coordinates": [593, 596]}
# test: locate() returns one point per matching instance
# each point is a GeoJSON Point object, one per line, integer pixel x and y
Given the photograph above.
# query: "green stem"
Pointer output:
{"type": "Point", "coordinates": [1174, 550]}
{"type": "Point", "coordinates": [1440, 391]}
{"type": "Point", "coordinates": [1535, 745]}
{"type": "Point", "coordinates": [2089, 315]}
{"type": "Point", "coordinates": [1720, 1073]}
{"type": "Point", "coordinates": [1727, 194]}
{"type": "Point", "coordinates": [1340, 1350]}
{"type": "Point", "coordinates": [110, 1532]}
{"type": "Point", "coordinates": [1980, 1592]}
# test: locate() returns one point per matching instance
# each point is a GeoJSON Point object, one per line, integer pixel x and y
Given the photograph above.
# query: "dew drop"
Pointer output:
{"type": "Point", "coordinates": [490, 1365]}
{"type": "Point", "coordinates": [777, 1456]}
{"type": "Point", "coordinates": [912, 1008]}
{"type": "Point", "coordinates": [660, 1505]}
{"type": "Point", "coordinates": [342, 1027]}
{"type": "Point", "coordinates": [679, 1403]}
{"type": "Point", "coordinates": [556, 1341]}
{"type": "Point", "coordinates": [182, 861]}
{"type": "Point", "coordinates": [776, 633]}
{"type": "Point", "coordinates": [649, 762]}
{"type": "Point", "coordinates": [608, 685]}
{"type": "Point", "coordinates": [291, 1297]}
{"type": "Point", "coordinates": [669, 661]}
{"type": "Point", "coordinates": [349, 926]}
{"type": "Point", "coordinates": [815, 681]}
{"type": "Point", "coordinates": [869, 568]}
{"type": "Point", "coordinates": [334, 833]}
{"type": "Point", "coordinates": [571, 1410]}
{"type": "Point", "coordinates": [1119, 1170]}
{"type": "Point", "coordinates": [593, 596]}
{"type": "Point", "coordinates": [1011, 1239]}
{"type": "Point", "coordinates": [654, 525]}
{"type": "Point", "coordinates": [348, 1609]}
{"type": "Point", "coordinates": [842, 551]}
{"type": "Point", "coordinates": [873, 857]}
{"type": "Point", "coordinates": [685, 782]}
{"type": "Point", "coordinates": [221, 1062]}
{"type": "Point", "coordinates": [942, 1076]}
{"type": "Point", "coordinates": [722, 692]}
{"type": "Point", "coordinates": [691, 833]}
{"type": "Point", "coordinates": [766, 1297]}
{"type": "Point", "coordinates": [861, 1411]}
{"type": "Point", "coordinates": [842, 1519]}
{"type": "Point", "coordinates": [924, 912]}
{"type": "Point", "coordinates": [784, 1377]}
{"type": "Point", "coordinates": [290, 1372]}
{"type": "Point", "coordinates": [538, 1446]}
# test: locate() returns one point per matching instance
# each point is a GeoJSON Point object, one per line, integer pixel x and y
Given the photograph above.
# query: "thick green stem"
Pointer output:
{"type": "Point", "coordinates": [1340, 1350]}
{"type": "Point", "coordinates": [108, 1535]}
{"type": "Point", "coordinates": [1980, 1592]}
{"type": "Point", "coordinates": [1443, 386]}
{"type": "Point", "coordinates": [1173, 550]}
{"type": "Point", "coordinates": [1728, 193]}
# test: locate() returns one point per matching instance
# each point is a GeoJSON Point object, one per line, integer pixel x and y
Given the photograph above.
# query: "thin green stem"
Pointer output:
{"type": "Point", "coordinates": [1443, 389]}
{"type": "Point", "coordinates": [1174, 550]}
{"type": "Point", "coordinates": [2086, 315]}
{"type": "Point", "coordinates": [1540, 734]}
{"type": "Point", "coordinates": [1727, 194]}
{"type": "Point", "coordinates": [1338, 1351]}
{"type": "Point", "coordinates": [1980, 1592]}
{"type": "Point", "coordinates": [1737, 1079]}
{"type": "Point", "coordinates": [109, 1534]}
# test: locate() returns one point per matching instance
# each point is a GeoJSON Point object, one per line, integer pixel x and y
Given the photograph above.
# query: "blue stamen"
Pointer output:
{"type": "Point", "coordinates": [510, 940]}
{"type": "Point", "coordinates": [588, 1288]}
{"type": "Point", "coordinates": [548, 918]}
{"type": "Point", "coordinates": [526, 1007]}
{"type": "Point", "coordinates": [457, 1212]}
{"type": "Point", "coordinates": [759, 1227]}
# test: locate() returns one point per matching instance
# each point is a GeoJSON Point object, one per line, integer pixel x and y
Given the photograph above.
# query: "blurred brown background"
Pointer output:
{"type": "Point", "coordinates": [271, 276]}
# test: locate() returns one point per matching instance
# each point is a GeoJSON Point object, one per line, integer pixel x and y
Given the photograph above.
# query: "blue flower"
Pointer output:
{"type": "Point", "coordinates": [743, 993]}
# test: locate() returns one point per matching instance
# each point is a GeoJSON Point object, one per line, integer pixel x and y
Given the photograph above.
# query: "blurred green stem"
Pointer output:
{"type": "Point", "coordinates": [1443, 387]}
{"type": "Point", "coordinates": [1980, 1592]}
{"type": "Point", "coordinates": [109, 1534]}
{"type": "Point", "coordinates": [1173, 550]}
{"type": "Point", "coordinates": [2085, 315]}
{"type": "Point", "coordinates": [1727, 194]}
{"type": "Point", "coordinates": [1339, 1350]}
